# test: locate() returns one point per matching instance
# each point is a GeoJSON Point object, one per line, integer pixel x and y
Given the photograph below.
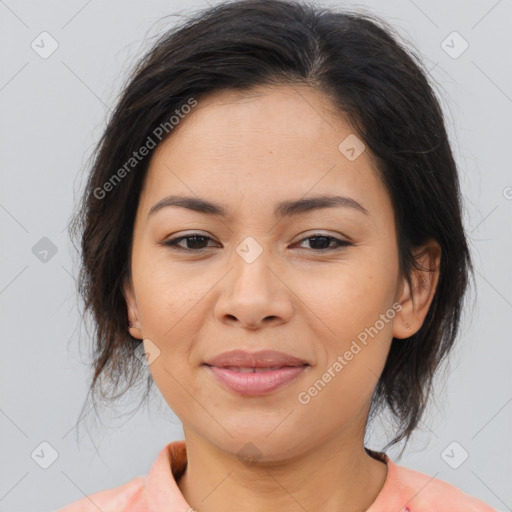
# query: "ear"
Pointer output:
{"type": "Point", "coordinates": [415, 305]}
{"type": "Point", "coordinates": [132, 309]}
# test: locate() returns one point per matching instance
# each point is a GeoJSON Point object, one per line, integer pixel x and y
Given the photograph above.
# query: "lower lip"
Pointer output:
{"type": "Point", "coordinates": [256, 383]}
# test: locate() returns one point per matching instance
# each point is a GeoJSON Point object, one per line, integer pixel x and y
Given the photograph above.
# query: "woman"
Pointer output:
{"type": "Point", "coordinates": [272, 224]}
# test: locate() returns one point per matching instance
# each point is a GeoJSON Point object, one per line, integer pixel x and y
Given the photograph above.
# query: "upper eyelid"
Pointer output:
{"type": "Point", "coordinates": [340, 240]}
{"type": "Point", "coordinates": [303, 236]}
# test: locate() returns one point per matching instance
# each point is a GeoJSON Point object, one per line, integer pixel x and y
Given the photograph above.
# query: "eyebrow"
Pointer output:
{"type": "Point", "coordinates": [283, 209]}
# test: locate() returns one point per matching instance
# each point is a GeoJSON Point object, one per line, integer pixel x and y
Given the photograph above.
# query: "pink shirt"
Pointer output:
{"type": "Point", "coordinates": [404, 490]}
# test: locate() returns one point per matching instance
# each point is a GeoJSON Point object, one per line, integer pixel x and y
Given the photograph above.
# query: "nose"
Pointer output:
{"type": "Point", "coordinates": [254, 294]}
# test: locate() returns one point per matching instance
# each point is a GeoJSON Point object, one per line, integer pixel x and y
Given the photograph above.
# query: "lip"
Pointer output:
{"type": "Point", "coordinates": [258, 383]}
{"type": "Point", "coordinates": [260, 359]}
{"type": "Point", "coordinates": [225, 368]}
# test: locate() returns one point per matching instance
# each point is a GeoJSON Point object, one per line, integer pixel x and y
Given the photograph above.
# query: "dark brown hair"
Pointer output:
{"type": "Point", "coordinates": [373, 80]}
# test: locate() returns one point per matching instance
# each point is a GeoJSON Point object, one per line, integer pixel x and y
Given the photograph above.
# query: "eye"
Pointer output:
{"type": "Point", "coordinates": [197, 242]}
{"type": "Point", "coordinates": [194, 242]}
{"type": "Point", "coordinates": [321, 242]}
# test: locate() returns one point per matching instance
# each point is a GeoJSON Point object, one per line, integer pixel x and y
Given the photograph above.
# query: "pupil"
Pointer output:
{"type": "Point", "coordinates": [195, 242]}
{"type": "Point", "coordinates": [315, 239]}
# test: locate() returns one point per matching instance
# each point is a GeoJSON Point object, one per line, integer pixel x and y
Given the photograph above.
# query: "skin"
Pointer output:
{"type": "Point", "coordinates": [249, 152]}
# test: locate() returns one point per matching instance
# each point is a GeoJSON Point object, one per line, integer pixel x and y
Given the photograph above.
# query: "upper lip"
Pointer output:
{"type": "Point", "coordinates": [260, 359]}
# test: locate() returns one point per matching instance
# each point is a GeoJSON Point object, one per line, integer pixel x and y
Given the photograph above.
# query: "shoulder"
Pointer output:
{"type": "Point", "coordinates": [424, 493]}
{"type": "Point", "coordinates": [128, 497]}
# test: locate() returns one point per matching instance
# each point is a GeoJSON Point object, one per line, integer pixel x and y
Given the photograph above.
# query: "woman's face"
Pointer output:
{"type": "Point", "coordinates": [259, 281]}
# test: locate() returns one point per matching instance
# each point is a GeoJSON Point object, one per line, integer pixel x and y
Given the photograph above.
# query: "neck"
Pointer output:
{"type": "Point", "coordinates": [336, 476]}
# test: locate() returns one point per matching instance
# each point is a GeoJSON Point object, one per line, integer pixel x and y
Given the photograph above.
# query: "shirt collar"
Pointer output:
{"type": "Point", "coordinates": [162, 491]}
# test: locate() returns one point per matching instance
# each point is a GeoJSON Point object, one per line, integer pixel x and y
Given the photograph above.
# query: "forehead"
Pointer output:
{"type": "Point", "coordinates": [267, 144]}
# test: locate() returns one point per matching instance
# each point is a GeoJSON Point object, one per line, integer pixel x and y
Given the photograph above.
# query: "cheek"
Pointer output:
{"type": "Point", "coordinates": [172, 311]}
{"type": "Point", "coordinates": [353, 321]}
{"type": "Point", "coordinates": [352, 351]}
{"type": "Point", "coordinates": [164, 293]}
{"type": "Point", "coordinates": [349, 297]}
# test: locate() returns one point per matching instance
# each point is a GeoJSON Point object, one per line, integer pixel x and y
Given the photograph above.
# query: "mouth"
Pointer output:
{"type": "Point", "coordinates": [255, 373]}
{"type": "Point", "coordinates": [253, 381]}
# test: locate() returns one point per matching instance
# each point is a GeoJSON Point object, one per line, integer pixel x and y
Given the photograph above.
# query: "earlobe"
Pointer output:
{"type": "Point", "coordinates": [415, 303]}
{"type": "Point", "coordinates": [132, 311]}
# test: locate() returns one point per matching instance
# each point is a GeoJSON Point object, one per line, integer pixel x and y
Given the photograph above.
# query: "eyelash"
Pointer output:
{"type": "Point", "coordinates": [173, 242]}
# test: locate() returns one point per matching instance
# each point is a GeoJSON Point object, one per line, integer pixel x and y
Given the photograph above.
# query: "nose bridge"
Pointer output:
{"type": "Point", "coordinates": [253, 293]}
{"type": "Point", "coordinates": [251, 275]}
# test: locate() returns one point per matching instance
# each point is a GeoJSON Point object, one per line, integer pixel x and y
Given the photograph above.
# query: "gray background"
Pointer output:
{"type": "Point", "coordinates": [52, 112]}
